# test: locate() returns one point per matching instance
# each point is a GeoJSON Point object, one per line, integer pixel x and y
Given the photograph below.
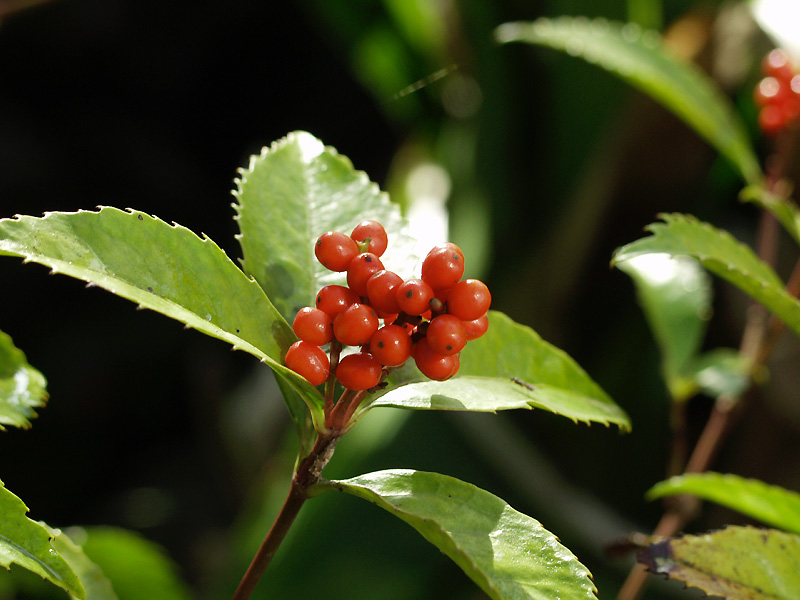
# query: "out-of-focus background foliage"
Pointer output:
{"type": "Point", "coordinates": [545, 164]}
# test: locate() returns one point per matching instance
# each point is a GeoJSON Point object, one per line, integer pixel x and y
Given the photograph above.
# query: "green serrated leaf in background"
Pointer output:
{"type": "Point", "coordinates": [508, 554]}
{"type": "Point", "coordinates": [675, 295]}
{"type": "Point", "coordinates": [744, 563]}
{"type": "Point", "coordinates": [720, 253]}
{"type": "Point", "coordinates": [301, 189]}
{"type": "Point", "coordinates": [639, 58]}
{"type": "Point", "coordinates": [22, 388]}
{"type": "Point", "coordinates": [137, 568]}
{"type": "Point", "coordinates": [510, 367]}
{"type": "Point", "coordinates": [769, 504]}
{"type": "Point", "coordinates": [27, 543]}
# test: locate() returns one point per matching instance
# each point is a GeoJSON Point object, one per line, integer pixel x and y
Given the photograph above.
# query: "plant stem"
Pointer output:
{"type": "Point", "coordinates": [307, 474]}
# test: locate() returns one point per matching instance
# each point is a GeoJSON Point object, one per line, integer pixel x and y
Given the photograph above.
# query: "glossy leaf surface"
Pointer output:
{"type": "Point", "coordinates": [769, 504]}
{"type": "Point", "coordinates": [165, 268]}
{"type": "Point", "coordinates": [510, 367]}
{"type": "Point", "coordinates": [290, 194]}
{"type": "Point", "coordinates": [22, 388]}
{"type": "Point", "coordinates": [26, 543]}
{"type": "Point", "coordinates": [508, 554]}
{"type": "Point", "coordinates": [720, 253]}
{"type": "Point", "coordinates": [639, 58]}
{"type": "Point", "coordinates": [745, 563]}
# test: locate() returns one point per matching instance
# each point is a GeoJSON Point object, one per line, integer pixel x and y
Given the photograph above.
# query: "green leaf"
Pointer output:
{"type": "Point", "coordinates": [165, 268]}
{"type": "Point", "coordinates": [720, 253]}
{"type": "Point", "coordinates": [784, 209]}
{"type": "Point", "coordinates": [510, 367]}
{"type": "Point", "coordinates": [745, 563]}
{"type": "Point", "coordinates": [639, 58]}
{"type": "Point", "coordinates": [675, 295]}
{"type": "Point", "coordinates": [769, 504]}
{"type": "Point", "coordinates": [138, 568]}
{"type": "Point", "coordinates": [720, 372]}
{"type": "Point", "coordinates": [293, 192]}
{"type": "Point", "coordinates": [94, 581]}
{"type": "Point", "coordinates": [22, 388]}
{"type": "Point", "coordinates": [508, 554]}
{"type": "Point", "coordinates": [27, 544]}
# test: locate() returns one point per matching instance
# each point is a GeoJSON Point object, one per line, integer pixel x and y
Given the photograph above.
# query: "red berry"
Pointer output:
{"type": "Point", "coordinates": [391, 345]}
{"type": "Point", "coordinates": [772, 119]}
{"type": "Point", "coordinates": [432, 364]}
{"type": "Point", "coordinates": [360, 269]}
{"type": "Point", "coordinates": [313, 325]}
{"type": "Point", "coordinates": [309, 361]}
{"type": "Point", "coordinates": [446, 335]}
{"type": "Point", "coordinates": [375, 233]}
{"type": "Point", "coordinates": [414, 296]}
{"type": "Point", "coordinates": [777, 64]}
{"type": "Point", "coordinates": [381, 291]}
{"type": "Point", "coordinates": [355, 324]}
{"type": "Point", "coordinates": [469, 299]}
{"type": "Point", "coordinates": [335, 250]}
{"type": "Point", "coordinates": [770, 90]}
{"type": "Point", "coordinates": [443, 266]}
{"type": "Point", "coordinates": [476, 328]}
{"type": "Point", "coordinates": [333, 299]}
{"type": "Point", "coordinates": [359, 371]}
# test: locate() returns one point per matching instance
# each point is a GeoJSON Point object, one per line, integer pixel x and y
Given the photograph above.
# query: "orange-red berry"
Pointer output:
{"type": "Point", "coordinates": [333, 299]}
{"type": "Point", "coordinates": [476, 328]}
{"type": "Point", "coordinates": [334, 250]}
{"type": "Point", "coordinates": [414, 296]}
{"type": "Point", "coordinates": [309, 361]}
{"type": "Point", "coordinates": [433, 365]}
{"type": "Point", "coordinates": [469, 299]}
{"type": "Point", "coordinates": [443, 266]}
{"type": "Point", "coordinates": [391, 345]}
{"type": "Point", "coordinates": [375, 233]}
{"type": "Point", "coordinates": [360, 269]}
{"type": "Point", "coordinates": [381, 291]}
{"type": "Point", "coordinates": [355, 324]}
{"type": "Point", "coordinates": [313, 325]}
{"type": "Point", "coordinates": [446, 335]}
{"type": "Point", "coordinates": [360, 371]}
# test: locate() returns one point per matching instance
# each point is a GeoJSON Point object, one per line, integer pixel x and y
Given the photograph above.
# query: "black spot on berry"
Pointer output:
{"type": "Point", "coordinates": [409, 293]}
{"type": "Point", "coordinates": [380, 344]}
{"type": "Point", "coordinates": [368, 259]}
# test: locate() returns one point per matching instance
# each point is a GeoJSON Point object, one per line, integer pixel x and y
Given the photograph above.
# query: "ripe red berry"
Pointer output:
{"type": "Point", "coordinates": [777, 64]}
{"type": "Point", "coordinates": [476, 328]}
{"type": "Point", "coordinates": [374, 231]}
{"type": "Point", "coordinates": [381, 291]}
{"type": "Point", "coordinates": [446, 335]}
{"type": "Point", "coordinates": [414, 296]}
{"type": "Point", "coordinates": [391, 345]}
{"type": "Point", "coordinates": [313, 325]}
{"type": "Point", "coordinates": [309, 361]}
{"type": "Point", "coordinates": [360, 371]}
{"type": "Point", "coordinates": [469, 299]}
{"type": "Point", "coordinates": [333, 299]}
{"type": "Point", "coordinates": [334, 250]}
{"type": "Point", "coordinates": [433, 365]}
{"type": "Point", "coordinates": [360, 269]}
{"type": "Point", "coordinates": [443, 266]}
{"type": "Point", "coordinates": [355, 324]}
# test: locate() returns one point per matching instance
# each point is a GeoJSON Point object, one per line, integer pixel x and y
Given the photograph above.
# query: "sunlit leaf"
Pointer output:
{"type": "Point", "coordinates": [639, 58]}
{"type": "Point", "coordinates": [510, 367]}
{"type": "Point", "coordinates": [745, 563]}
{"type": "Point", "coordinates": [290, 194]}
{"type": "Point", "coordinates": [769, 504]}
{"type": "Point", "coordinates": [720, 253]}
{"type": "Point", "coordinates": [165, 268]}
{"type": "Point", "coordinates": [22, 388]}
{"type": "Point", "coordinates": [26, 543]}
{"type": "Point", "coordinates": [508, 554]}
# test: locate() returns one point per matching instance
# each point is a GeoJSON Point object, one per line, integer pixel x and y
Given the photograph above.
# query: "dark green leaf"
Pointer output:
{"type": "Point", "coordinates": [784, 209]}
{"type": "Point", "coordinates": [26, 543]}
{"type": "Point", "coordinates": [293, 192]}
{"type": "Point", "coordinates": [720, 253]}
{"type": "Point", "coordinates": [137, 568]}
{"type": "Point", "coordinates": [769, 504]}
{"type": "Point", "coordinates": [639, 58]}
{"type": "Point", "coordinates": [162, 267]}
{"type": "Point", "coordinates": [508, 554]}
{"type": "Point", "coordinates": [675, 295]}
{"type": "Point", "coordinates": [510, 367]}
{"type": "Point", "coordinates": [22, 388]}
{"type": "Point", "coordinates": [744, 563]}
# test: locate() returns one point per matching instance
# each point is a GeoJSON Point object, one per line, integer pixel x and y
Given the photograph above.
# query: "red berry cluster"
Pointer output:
{"type": "Point", "coordinates": [390, 320]}
{"type": "Point", "coordinates": [778, 93]}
